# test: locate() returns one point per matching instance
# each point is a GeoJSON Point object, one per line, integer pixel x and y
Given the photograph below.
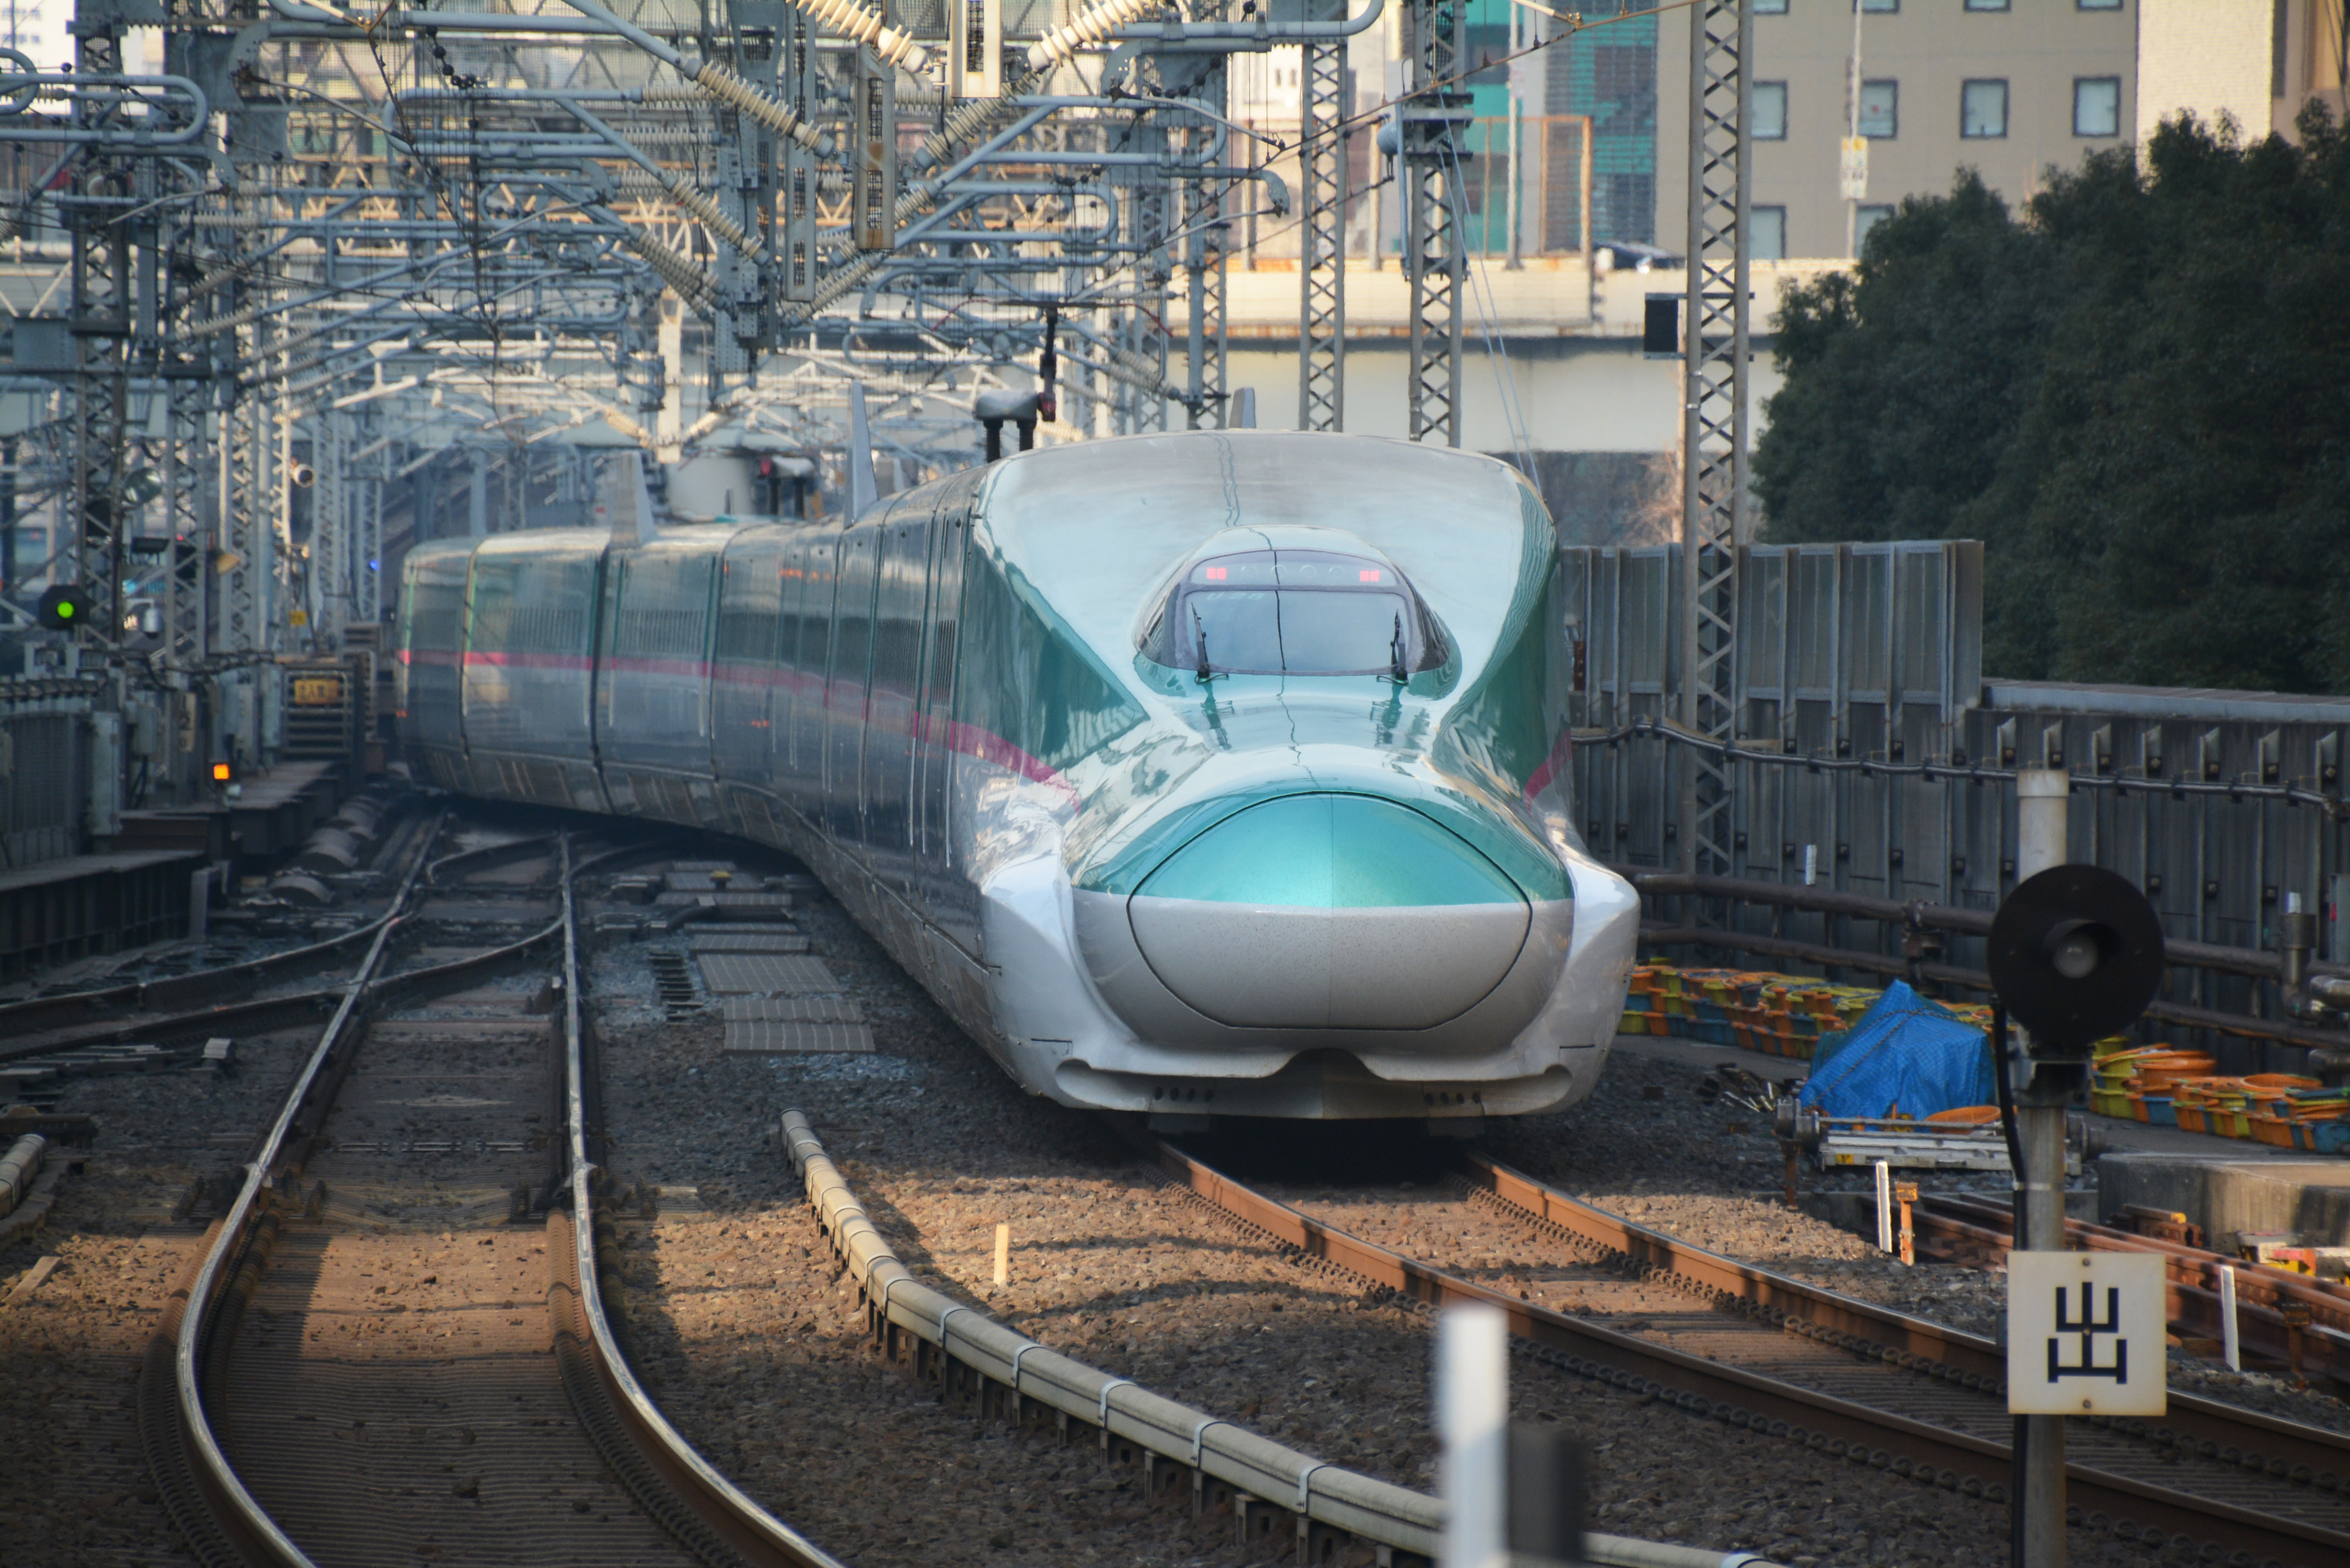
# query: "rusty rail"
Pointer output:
{"type": "Point", "coordinates": [1841, 1429]}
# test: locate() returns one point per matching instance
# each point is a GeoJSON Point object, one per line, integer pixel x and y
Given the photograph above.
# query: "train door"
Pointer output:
{"type": "Point", "coordinates": [844, 695]}
{"type": "Point", "coordinates": [892, 709]}
{"type": "Point", "coordinates": [938, 874]}
{"type": "Point", "coordinates": [652, 688]}
{"type": "Point", "coordinates": [804, 647]}
{"type": "Point", "coordinates": [432, 660]}
{"type": "Point", "coordinates": [744, 677]}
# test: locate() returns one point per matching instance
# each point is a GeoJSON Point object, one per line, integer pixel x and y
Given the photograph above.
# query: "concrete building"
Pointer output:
{"type": "Point", "coordinates": [2009, 87]}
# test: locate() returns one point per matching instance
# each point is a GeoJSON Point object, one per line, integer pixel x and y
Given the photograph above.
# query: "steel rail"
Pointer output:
{"type": "Point", "coordinates": [968, 1350]}
{"type": "Point", "coordinates": [1916, 914]}
{"type": "Point", "coordinates": [225, 980]}
{"type": "Point", "coordinates": [238, 1526]}
{"type": "Point", "coordinates": [597, 1374]}
{"type": "Point", "coordinates": [17, 1017]}
{"type": "Point", "coordinates": [1752, 1401]}
{"type": "Point", "coordinates": [2192, 1286]}
{"type": "Point", "coordinates": [231, 1506]}
{"type": "Point", "coordinates": [2228, 1426]}
{"type": "Point", "coordinates": [2334, 806]}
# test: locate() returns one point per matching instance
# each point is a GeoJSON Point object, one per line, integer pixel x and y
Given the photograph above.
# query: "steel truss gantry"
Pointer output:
{"type": "Point", "coordinates": [307, 256]}
{"type": "Point", "coordinates": [1714, 405]}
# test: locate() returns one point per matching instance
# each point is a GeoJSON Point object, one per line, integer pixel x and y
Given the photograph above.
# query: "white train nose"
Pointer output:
{"type": "Point", "coordinates": [1329, 911]}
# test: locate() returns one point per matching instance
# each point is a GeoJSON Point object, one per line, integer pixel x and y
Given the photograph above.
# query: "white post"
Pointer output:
{"type": "Point", "coordinates": [2229, 1347]}
{"type": "Point", "coordinates": [1003, 1255]}
{"type": "Point", "coordinates": [2042, 796]}
{"type": "Point", "coordinates": [1852, 205]}
{"type": "Point", "coordinates": [1473, 1419]}
{"type": "Point", "coordinates": [1884, 1207]}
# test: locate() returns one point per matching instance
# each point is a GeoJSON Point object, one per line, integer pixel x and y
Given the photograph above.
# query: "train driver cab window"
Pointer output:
{"type": "Point", "coordinates": [1295, 612]}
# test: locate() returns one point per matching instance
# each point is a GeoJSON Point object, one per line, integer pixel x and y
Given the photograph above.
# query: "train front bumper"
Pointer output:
{"type": "Point", "coordinates": [1402, 976]}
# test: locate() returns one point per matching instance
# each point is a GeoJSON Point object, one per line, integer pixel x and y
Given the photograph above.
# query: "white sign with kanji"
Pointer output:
{"type": "Point", "coordinates": [2085, 1334]}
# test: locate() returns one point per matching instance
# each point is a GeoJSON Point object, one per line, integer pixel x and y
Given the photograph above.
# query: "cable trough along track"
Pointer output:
{"type": "Point", "coordinates": [1851, 1380]}
{"type": "Point", "coordinates": [375, 1360]}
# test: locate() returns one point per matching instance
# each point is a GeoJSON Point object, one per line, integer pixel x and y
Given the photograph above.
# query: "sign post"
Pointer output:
{"type": "Point", "coordinates": [2075, 954]}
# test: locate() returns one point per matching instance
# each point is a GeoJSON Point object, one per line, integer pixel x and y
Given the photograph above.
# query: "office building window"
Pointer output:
{"type": "Point", "coordinates": [1770, 120]}
{"type": "Point", "coordinates": [1766, 233]}
{"type": "Point", "coordinates": [1770, 7]}
{"type": "Point", "coordinates": [2098, 5]}
{"type": "Point", "coordinates": [1880, 4]}
{"type": "Point", "coordinates": [1880, 110]}
{"type": "Point", "coordinates": [1868, 218]}
{"type": "Point", "coordinates": [1986, 4]}
{"type": "Point", "coordinates": [2096, 106]}
{"type": "Point", "coordinates": [1983, 109]}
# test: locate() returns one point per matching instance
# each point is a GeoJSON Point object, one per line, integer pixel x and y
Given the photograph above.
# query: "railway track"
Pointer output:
{"type": "Point", "coordinates": [170, 1011]}
{"type": "Point", "coordinates": [1595, 1295]}
{"type": "Point", "coordinates": [392, 1346]}
{"type": "Point", "coordinates": [1961, 1227]}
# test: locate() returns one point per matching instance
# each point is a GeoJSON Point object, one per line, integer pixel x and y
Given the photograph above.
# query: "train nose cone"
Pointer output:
{"type": "Point", "coordinates": [1329, 911]}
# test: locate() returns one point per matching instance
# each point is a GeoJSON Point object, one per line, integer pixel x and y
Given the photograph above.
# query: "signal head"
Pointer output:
{"type": "Point", "coordinates": [2075, 954]}
{"type": "Point", "coordinates": [65, 606]}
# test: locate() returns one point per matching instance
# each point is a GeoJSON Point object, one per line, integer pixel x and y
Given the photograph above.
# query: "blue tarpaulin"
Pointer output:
{"type": "Point", "coordinates": [1906, 1056]}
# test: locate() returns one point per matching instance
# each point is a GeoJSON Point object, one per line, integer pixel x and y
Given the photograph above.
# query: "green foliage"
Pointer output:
{"type": "Point", "coordinates": [2137, 396]}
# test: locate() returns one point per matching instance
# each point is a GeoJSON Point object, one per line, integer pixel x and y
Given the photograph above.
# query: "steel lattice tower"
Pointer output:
{"type": "Point", "coordinates": [1713, 434]}
{"type": "Point", "coordinates": [1322, 266]}
{"type": "Point", "coordinates": [1434, 250]}
{"type": "Point", "coordinates": [104, 190]}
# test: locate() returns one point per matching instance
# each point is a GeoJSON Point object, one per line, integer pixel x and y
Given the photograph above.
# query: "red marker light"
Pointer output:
{"type": "Point", "coordinates": [1369, 575]}
{"type": "Point", "coordinates": [1215, 573]}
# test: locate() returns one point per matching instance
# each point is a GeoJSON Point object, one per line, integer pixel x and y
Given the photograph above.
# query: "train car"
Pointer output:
{"type": "Point", "coordinates": [1203, 775]}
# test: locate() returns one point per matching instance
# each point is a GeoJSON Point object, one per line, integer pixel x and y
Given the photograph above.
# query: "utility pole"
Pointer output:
{"type": "Point", "coordinates": [1853, 167]}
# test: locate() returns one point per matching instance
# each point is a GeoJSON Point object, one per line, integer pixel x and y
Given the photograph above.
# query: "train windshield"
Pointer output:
{"type": "Point", "coordinates": [1294, 612]}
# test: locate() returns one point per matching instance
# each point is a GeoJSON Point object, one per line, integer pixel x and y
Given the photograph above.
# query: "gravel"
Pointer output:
{"type": "Point", "coordinates": [756, 1350]}
{"type": "Point", "coordinates": [75, 1491]}
{"type": "Point", "coordinates": [736, 1318]}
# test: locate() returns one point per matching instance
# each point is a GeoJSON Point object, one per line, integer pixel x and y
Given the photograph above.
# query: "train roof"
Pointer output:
{"type": "Point", "coordinates": [1096, 527]}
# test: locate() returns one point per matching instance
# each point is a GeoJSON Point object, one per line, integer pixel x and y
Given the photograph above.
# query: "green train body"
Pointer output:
{"type": "Point", "coordinates": [1212, 774]}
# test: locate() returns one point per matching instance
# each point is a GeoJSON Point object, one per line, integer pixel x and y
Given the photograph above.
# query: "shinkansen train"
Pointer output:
{"type": "Point", "coordinates": [1206, 774]}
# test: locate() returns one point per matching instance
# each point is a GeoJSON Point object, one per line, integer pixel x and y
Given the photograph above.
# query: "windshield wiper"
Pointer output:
{"type": "Point", "coordinates": [1199, 640]}
{"type": "Point", "coordinates": [1395, 670]}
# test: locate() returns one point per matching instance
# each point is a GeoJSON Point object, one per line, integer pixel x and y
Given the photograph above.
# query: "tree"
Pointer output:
{"type": "Point", "coordinates": [2137, 396]}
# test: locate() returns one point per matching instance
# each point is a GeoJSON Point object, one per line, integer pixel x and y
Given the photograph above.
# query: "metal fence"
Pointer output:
{"type": "Point", "coordinates": [44, 773]}
{"type": "Point", "coordinates": [1874, 758]}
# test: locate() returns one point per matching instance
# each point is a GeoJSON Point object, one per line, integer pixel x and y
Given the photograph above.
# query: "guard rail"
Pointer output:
{"type": "Point", "coordinates": [1324, 1499]}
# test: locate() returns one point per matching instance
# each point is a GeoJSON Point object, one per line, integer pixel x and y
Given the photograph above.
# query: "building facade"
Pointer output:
{"type": "Point", "coordinates": [2010, 88]}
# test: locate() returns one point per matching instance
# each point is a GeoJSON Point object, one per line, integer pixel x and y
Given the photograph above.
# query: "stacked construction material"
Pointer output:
{"type": "Point", "coordinates": [2169, 1087]}
{"type": "Point", "coordinates": [2134, 1082]}
{"type": "Point", "coordinates": [1782, 1015]}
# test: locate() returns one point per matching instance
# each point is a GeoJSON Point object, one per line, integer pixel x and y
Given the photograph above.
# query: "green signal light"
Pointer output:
{"type": "Point", "coordinates": [62, 605]}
